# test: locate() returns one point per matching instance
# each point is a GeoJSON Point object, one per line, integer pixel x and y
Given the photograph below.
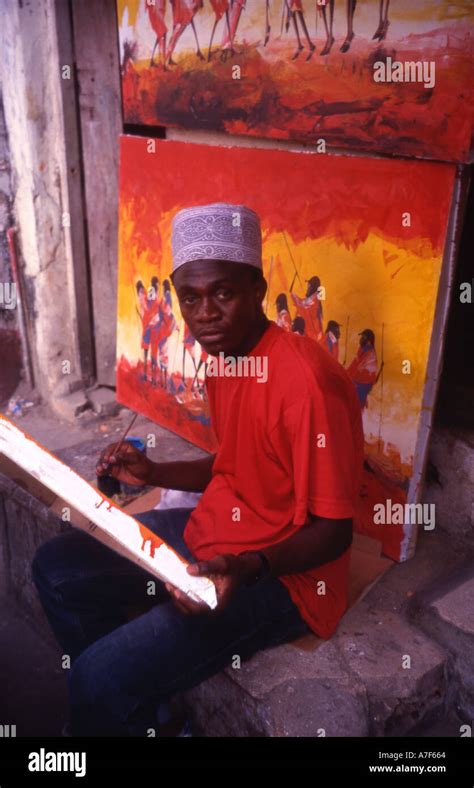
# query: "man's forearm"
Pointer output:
{"type": "Point", "coordinates": [317, 543]}
{"type": "Point", "coordinates": [192, 476]}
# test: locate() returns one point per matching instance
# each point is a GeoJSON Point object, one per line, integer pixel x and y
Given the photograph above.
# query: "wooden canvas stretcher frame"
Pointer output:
{"type": "Point", "coordinates": [47, 478]}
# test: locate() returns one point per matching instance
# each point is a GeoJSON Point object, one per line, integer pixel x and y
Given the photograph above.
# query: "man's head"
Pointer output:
{"type": "Point", "coordinates": [313, 285]}
{"type": "Point", "coordinates": [141, 292]}
{"type": "Point", "coordinates": [281, 302]}
{"type": "Point", "coordinates": [367, 337]}
{"type": "Point", "coordinates": [298, 326]}
{"type": "Point", "coordinates": [334, 328]}
{"type": "Point", "coordinates": [154, 288]}
{"type": "Point", "coordinates": [217, 274]}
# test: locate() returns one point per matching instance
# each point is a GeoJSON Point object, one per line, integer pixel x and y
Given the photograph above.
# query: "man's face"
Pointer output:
{"type": "Point", "coordinates": [219, 303]}
{"type": "Point", "coordinates": [364, 340]}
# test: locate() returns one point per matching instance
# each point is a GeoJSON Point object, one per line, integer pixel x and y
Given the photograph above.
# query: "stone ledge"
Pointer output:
{"type": "Point", "coordinates": [445, 610]}
{"type": "Point", "coordinates": [352, 685]}
{"type": "Point", "coordinates": [452, 456]}
{"type": "Point", "coordinates": [282, 691]}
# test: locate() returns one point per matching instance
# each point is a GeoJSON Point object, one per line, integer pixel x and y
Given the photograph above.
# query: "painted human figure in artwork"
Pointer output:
{"type": "Point", "coordinates": [323, 6]}
{"type": "Point", "coordinates": [363, 369]}
{"type": "Point", "coordinates": [330, 340]}
{"type": "Point", "coordinates": [283, 313]}
{"type": "Point", "coordinates": [298, 326]}
{"type": "Point", "coordinates": [144, 315]}
{"type": "Point", "coordinates": [156, 13]}
{"type": "Point", "coordinates": [311, 308]}
{"type": "Point", "coordinates": [295, 15]}
{"type": "Point", "coordinates": [184, 12]}
{"type": "Point", "coordinates": [167, 326]}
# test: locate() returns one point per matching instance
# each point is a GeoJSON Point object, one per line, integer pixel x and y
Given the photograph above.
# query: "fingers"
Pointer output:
{"type": "Point", "coordinates": [215, 566]}
{"type": "Point", "coordinates": [109, 457]}
{"type": "Point", "coordinates": [184, 603]}
{"type": "Point", "coordinates": [105, 458]}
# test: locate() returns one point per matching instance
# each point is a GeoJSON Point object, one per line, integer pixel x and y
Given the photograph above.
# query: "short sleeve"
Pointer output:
{"type": "Point", "coordinates": [319, 441]}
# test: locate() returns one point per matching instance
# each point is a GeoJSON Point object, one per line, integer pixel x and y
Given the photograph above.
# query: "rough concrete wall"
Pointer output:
{"type": "Point", "coordinates": [451, 486]}
{"type": "Point", "coordinates": [32, 102]}
{"type": "Point", "coordinates": [10, 345]}
{"type": "Point", "coordinates": [24, 525]}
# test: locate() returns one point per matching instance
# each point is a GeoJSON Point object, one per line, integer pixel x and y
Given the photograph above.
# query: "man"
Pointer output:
{"type": "Point", "coordinates": [330, 340]}
{"type": "Point", "coordinates": [295, 9]}
{"type": "Point", "coordinates": [184, 12]}
{"type": "Point", "coordinates": [189, 345]}
{"type": "Point", "coordinates": [283, 313]}
{"type": "Point", "coordinates": [147, 311]}
{"type": "Point", "coordinates": [154, 324]}
{"type": "Point", "coordinates": [220, 8]}
{"type": "Point", "coordinates": [167, 326]}
{"type": "Point", "coordinates": [298, 326]}
{"type": "Point", "coordinates": [363, 369]}
{"type": "Point", "coordinates": [228, 36]}
{"type": "Point", "coordinates": [311, 308]}
{"type": "Point", "coordinates": [272, 529]}
{"type": "Point", "coordinates": [157, 12]}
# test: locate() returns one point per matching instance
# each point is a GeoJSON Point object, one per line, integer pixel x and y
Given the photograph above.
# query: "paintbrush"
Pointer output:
{"type": "Point", "coordinates": [120, 443]}
{"type": "Point", "coordinates": [126, 433]}
{"type": "Point", "coordinates": [109, 485]}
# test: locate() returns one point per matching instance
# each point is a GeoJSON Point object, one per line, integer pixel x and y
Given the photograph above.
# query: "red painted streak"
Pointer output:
{"type": "Point", "coordinates": [361, 195]}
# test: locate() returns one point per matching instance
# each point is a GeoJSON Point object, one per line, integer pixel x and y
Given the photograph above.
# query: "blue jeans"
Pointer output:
{"type": "Point", "coordinates": [122, 670]}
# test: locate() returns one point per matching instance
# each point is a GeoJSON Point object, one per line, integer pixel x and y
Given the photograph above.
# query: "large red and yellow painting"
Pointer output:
{"type": "Point", "coordinates": [353, 252]}
{"type": "Point", "coordinates": [389, 76]}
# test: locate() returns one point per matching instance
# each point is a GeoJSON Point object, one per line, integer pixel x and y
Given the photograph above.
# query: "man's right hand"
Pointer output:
{"type": "Point", "coordinates": [129, 465]}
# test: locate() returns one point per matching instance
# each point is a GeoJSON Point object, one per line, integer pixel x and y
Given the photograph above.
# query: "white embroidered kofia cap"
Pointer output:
{"type": "Point", "coordinates": [220, 231]}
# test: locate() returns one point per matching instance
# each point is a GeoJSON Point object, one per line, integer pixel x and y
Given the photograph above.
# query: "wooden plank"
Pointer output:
{"type": "Point", "coordinates": [72, 152]}
{"type": "Point", "coordinates": [101, 518]}
{"type": "Point", "coordinates": [98, 73]}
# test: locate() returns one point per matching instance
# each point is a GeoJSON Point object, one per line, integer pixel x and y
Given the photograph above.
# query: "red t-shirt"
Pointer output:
{"type": "Point", "coordinates": [270, 471]}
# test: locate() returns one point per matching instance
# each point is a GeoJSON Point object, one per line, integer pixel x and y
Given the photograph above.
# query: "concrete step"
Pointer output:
{"type": "Point", "coordinates": [353, 685]}
{"type": "Point", "coordinates": [445, 611]}
{"type": "Point", "coordinates": [378, 676]}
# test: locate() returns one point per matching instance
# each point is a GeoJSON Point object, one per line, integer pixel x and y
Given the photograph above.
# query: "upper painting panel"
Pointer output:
{"type": "Point", "coordinates": [381, 76]}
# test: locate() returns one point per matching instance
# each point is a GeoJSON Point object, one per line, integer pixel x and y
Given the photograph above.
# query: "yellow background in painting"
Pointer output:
{"type": "Point", "coordinates": [376, 283]}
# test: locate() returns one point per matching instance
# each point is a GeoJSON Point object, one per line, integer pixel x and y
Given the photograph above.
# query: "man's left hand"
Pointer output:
{"type": "Point", "coordinates": [227, 573]}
